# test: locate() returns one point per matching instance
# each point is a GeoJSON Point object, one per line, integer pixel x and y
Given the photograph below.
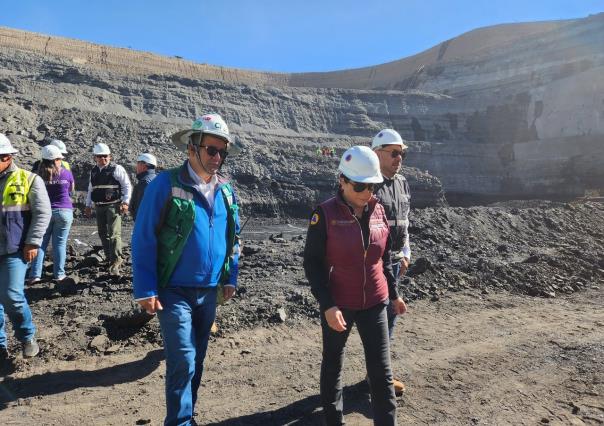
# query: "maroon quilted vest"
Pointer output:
{"type": "Point", "coordinates": [356, 276]}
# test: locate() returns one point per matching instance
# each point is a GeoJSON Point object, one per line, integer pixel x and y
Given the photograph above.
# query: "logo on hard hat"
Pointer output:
{"type": "Point", "coordinates": [348, 157]}
{"type": "Point", "coordinates": [197, 124]}
{"type": "Point", "coordinates": [207, 117]}
{"type": "Point", "coordinates": [314, 219]}
{"type": "Point", "coordinates": [217, 125]}
{"type": "Point", "coordinates": [380, 135]}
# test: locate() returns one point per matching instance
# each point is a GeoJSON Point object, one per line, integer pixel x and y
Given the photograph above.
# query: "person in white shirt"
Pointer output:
{"type": "Point", "coordinates": [109, 189]}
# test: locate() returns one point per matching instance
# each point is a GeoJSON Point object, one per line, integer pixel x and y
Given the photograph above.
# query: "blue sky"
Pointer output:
{"type": "Point", "coordinates": [280, 35]}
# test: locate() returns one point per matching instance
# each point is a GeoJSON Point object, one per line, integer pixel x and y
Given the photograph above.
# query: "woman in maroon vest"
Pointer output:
{"type": "Point", "coordinates": [347, 262]}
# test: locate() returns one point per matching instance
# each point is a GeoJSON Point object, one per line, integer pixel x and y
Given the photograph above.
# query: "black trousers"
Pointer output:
{"type": "Point", "coordinates": [372, 325]}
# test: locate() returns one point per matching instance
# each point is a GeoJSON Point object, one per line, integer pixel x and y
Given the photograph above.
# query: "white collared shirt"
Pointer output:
{"type": "Point", "coordinates": [207, 189]}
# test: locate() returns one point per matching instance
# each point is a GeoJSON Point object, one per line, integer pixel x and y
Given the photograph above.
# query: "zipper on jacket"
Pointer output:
{"type": "Point", "coordinates": [364, 259]}
{"type": "Point", "coordinates": [210, 232]}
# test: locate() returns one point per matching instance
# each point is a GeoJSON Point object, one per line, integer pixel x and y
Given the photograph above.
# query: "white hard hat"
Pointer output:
{"type": "Point", "coordinates": [147, 158]}
{"type": "Point", "coordinates": [5, 146]}
{"type": "Point", "coordinates": [211, 124]}
{"type": "Point", "coordinates": [59, 144]}
{"type": "Point", "coordinates": [101, 149]}
{"type": "Point", "coordinates": [387, 137]}
{"type": "Point", "coordinates": [361, 164]}
{"type": "Point", "coordinates": [51, 152]}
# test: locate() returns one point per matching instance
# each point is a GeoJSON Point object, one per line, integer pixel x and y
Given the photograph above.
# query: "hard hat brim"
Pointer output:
{"type": "Point", "coordinates": [181, 139]}
{"type": "Point", "coordinates": [401, 144]}
{"type": "Point", "coordinates": [360, 179]}
{"type": "Point", "coordinates": [8, 151]}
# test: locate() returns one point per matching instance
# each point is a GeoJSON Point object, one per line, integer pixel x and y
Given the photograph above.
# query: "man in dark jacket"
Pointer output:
{"type": "Point", "coordinates": [145, 173]}
{"type": "Point", "coordinates": [395, 196]}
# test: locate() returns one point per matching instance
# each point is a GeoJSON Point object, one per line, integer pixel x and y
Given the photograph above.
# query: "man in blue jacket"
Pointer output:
{"type": "Point", "coordinates": [185, 254]}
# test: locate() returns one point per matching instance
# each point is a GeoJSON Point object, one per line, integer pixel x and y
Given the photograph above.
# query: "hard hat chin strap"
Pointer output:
{"type": "Point", "coordinates": [196, 148]}
{"type": "Point", "coordinates": [198, 156]}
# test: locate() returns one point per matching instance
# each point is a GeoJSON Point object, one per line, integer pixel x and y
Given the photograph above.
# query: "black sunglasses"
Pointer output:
{"type": "Point", "coordinates": [360, 187]}
{"type": "Point", "coordinates": [395, 153]}
{"type": "Point", "coordinates": [101, 156]}
{"type": "Point", "coordinates": [212, 151]}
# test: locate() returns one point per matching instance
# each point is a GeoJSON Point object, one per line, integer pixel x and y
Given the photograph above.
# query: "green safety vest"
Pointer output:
{"type": "Point", "coordinates": [176, 223]}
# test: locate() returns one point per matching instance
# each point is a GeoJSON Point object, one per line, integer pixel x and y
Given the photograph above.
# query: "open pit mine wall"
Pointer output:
{"type": "Point", "coordinates": [280, 128]}
{"type": "Point", "coordinates": [520, 115]}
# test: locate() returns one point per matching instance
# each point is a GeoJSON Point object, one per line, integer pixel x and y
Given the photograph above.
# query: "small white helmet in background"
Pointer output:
{"type": "Point", "coordinates": [147, 158]}
{"type": "Point", "coordinates": [387, 137]}
{"type": "Point", "coordinates": [59, 144]}
{"type": "Point", "coordinates": [51, 152]}
{"type": "Point", "coordinates": [101, 149]}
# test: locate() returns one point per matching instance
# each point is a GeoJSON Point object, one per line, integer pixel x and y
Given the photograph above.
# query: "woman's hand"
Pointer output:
{"type": "Point", "coordinates": [335, 319]}
{"type": "Point", "coordinates": [399, 306]}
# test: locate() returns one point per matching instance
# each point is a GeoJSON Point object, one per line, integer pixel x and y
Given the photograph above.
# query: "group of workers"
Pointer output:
{"type": "Point", "coordinates": [37, 210]}
{"type": "Point", "coordinates": [185, 252]}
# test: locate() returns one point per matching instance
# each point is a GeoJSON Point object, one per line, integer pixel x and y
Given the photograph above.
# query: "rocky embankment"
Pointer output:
{"type": "Point", "coordinates": [512, 111]}
{"type": "Point", "coordinates": [538, 249]}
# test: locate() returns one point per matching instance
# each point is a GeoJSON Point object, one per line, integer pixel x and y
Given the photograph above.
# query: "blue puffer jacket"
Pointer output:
{"type": "Point", "coordinates": [204, 252]}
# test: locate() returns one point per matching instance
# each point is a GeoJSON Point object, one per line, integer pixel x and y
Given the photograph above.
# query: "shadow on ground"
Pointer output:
{"type": "Point", "coordinates": [64, 381]}
{"type": "Point", "coordinates": [307, 411]}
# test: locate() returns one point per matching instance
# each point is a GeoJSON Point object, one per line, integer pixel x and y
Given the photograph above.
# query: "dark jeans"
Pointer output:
{"type": "Point", "coordinates": [373, 330]}
{"type": "Point", "coordinates": [109, 224]}
{"type": "Point", "coordinates": [396, 268]}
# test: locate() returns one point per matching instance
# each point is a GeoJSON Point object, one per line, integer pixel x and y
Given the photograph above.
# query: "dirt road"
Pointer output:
{"type": "Point", "coordinates": [495, 359]}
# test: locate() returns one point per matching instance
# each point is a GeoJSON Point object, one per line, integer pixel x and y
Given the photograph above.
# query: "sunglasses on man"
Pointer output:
{"type": "Point", "coordinates": [102, 156]}
{"type": "Point", "coordinates": [360, 187]}
{"type": "Point", "coordinates": [395, 153]}
{"type": "Point", "coordinates": [212, 151]}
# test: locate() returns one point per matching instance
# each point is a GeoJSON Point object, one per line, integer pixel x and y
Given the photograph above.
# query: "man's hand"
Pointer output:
{"type": "Point", "coordinates": [151, 305]}
{"type": "Point", "coordinates": [398, 306]}
{"type": "Point", "coordinates": [228, 291]}
{"type": "Point", "coordinates": [335, 319]}
{"type": "Point", "coordinates": [88, 212]}
{"type": "Point", "coordinates": [124, 208]}
{"type": "Point", "coordinates": [404, 267]}
{"type": "Point", "coordinates": [29, 252]}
